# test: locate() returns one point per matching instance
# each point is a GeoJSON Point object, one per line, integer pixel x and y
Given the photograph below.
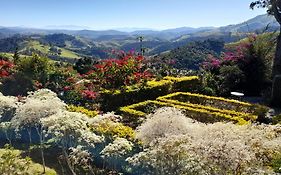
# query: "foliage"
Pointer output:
{"type": "Point", "coordinates": [11, 163]}
{"type": "Point", "coordinates": [245, 66]}
{"type": "Point", "coordinates": [276, 163]}
{"type": "Point", "coordinates": [84, 65]}
{"type": "Point", "coordinates": [35, 67]}
{"type": "Point", "coordinates": [276, 119]}
{"type": "Point", "coordinates": [80, 109]}
{"type": "Point", "coordinates": [5, 68]}
{"type": "Point", "coordinates": [31, 73]}
{"type": "Point", "coordinates": [110, 126]}
{"type": "Point", "coordinates": [203, 108]}
{"type": "Point", "coordinates": [193, 54]}
{"type": "Point", "coordinates": [37, 105]}
{"type": "Point", "coordinates": [70, 129]}
{"type": "Point", "coordinates": [214, 104]}
{"type": "Point", "coordinates": [152, 89]}
{"type": "Point", "coordinates": [220, 148]}
{"type": "Point", "coordinates": [115, 73]}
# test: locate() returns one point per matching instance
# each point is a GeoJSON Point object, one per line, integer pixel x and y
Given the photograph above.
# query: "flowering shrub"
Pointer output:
{"type": "Point", "coordinates": [245, 66]}
{"type": "Point", "coordinates": [120, 147]}
{"type": "Point", "coordinates": [115, 73]}
{"type": "Point", "coordinates": [5, 68]}
{"type": "Point", "coordinates": [80, 160]}
{"type": "Point", "coordinates": [37, 105]}
{"type": "Point", "coordinates": [188, 147]}
{"type": "Point", "coordinates": [70, 129]}
{"type": "Point", "coordinates": [115, 153]}
{"type": "Point", "coordinates": [109, 125]}
{"type": "Point", "coordinates": [8, 105]}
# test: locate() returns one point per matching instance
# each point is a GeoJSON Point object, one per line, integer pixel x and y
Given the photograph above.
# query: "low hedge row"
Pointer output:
{"type": "Point", "coordinates": [200, 107]}
{"type": "Point", "coordinates": [112, 100]}
{"type": "Point", "coordinates": [215, 102]}
{"type": "Point", "coordinates": [244, 115]}
{"type": "Point", "coordinates": [135, 114]}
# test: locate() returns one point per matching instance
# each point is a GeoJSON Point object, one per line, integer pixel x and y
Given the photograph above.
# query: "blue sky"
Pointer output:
{"type": "Point", "coordinates": [108, 14]}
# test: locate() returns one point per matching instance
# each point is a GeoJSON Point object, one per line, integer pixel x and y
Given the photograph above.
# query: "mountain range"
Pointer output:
{"type": "Point", "coordinates": [78, 43]}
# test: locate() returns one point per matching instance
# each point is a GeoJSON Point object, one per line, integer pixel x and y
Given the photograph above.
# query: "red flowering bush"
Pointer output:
{"type": "Point", "coordinates": [5, 68]}
{"type": "Point", "coordinates": [128, 69]}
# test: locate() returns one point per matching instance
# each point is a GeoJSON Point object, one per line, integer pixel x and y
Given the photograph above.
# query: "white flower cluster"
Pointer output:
{"type": "Point", "coordinates": [118, 148]}
{"type": "Point", "coordinates": [40, 104]}
{"type": "Point", "coordinates": [79, 157]}
{"type": "Point", "coordinates": [66, 125]}
{"type": "Point", "coordinates": [178, 144]}
{"type": "Point", "coordinates": [7, 103]}
{"type": "Point", "coordinates": [44, 108]}
{"type": "Point", "coordinates": [100, 119]}
{"type": "Point", "coordinates": [164, 122]}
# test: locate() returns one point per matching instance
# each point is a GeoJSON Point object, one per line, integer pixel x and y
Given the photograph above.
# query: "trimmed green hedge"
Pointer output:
{"type": "Point", "coordinates": [202, 108]}
{"type": "Point", "coordinates": [112, 100]}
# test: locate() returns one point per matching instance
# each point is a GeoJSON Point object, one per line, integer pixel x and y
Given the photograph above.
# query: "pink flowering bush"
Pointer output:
{"type": "Point", "coordinates": [242, 67]}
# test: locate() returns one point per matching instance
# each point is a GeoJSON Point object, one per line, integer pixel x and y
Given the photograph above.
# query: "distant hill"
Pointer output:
{"type": "Point", "coordinates": [255, 24]}
{"type": "Point", "coordinates": [94, 43]}
{"type": "Point", "coordinates": [191, 55]}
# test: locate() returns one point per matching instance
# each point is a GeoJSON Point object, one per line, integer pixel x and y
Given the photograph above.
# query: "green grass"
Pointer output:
{"type": "Point", "coordinates": [44, 49]}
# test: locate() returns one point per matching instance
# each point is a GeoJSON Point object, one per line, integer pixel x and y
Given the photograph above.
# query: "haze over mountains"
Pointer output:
{"type": "Point", "coordinates": [74, 43]}
{"type": "Point", "coordinates": [256, 23]}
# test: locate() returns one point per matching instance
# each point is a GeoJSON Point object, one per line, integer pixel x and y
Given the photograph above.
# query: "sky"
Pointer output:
{"type": "Point", "coordinates": [114, 14]}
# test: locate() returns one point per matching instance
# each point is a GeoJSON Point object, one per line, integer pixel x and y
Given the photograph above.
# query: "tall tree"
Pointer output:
{"type": "Point", "coordinates": [273, 8]}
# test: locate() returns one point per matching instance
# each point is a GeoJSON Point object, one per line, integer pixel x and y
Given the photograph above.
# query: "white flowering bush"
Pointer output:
{"type": "Point", "coordinates": [8, 105]}
{"type": "Point", "coordinates": [80, 160]}
{"type": "Point", "coordinates": [197, 148]}
{"type": "Point", "coordinates": [169, 157]}
{"type": "Point", "coordinates": [164, 122]}
{"type": "Point", "coordinates": [120, 147]}
{"type": "Point", "coordinates": [115, 154]}
{"type": "Point", "coordinates": [70, 129]}
{"type": "Point", "coordinates": [40, 104]}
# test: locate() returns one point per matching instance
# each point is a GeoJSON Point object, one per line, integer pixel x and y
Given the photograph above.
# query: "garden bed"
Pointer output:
{"type": "Point", "coordinates": [209, 101]}
{"type": "Point", "coordinates": [135, 114]}
{"type": "Point", "coordinates": [152, 89]}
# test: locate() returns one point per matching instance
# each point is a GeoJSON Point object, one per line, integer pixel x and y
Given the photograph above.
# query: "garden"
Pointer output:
{"type": "Point", "coordinates": [123, 116]}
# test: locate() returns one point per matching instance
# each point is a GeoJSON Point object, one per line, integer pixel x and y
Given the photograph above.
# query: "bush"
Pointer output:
{"type": "Point", "coordinates": [245, 66]}
{"type": "Point", "coordinates": [11, 163]}
{"type": "Point", "coordinates": [276, 164]}
{"type": "Point", "coordinates": [152, 89]}
{"type": "Point", "coordinates": [189, 147]}
{"type": "Point", "coordinates": [35, 67]}
{"type": "Point", "coordinates": [135, 114]}
{"type": "Point", "coordinates": [80, 109]}
{"type": "Point", "coordinates": [110, 126]}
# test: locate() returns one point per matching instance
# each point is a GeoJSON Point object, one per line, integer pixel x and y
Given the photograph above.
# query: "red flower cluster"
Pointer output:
{"type": "Point", "coordinates": [91, 95]}
{"type": "Point", "coordinates": [115, 73]}
{"type": "Point", "coordinates": [5, 68]}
